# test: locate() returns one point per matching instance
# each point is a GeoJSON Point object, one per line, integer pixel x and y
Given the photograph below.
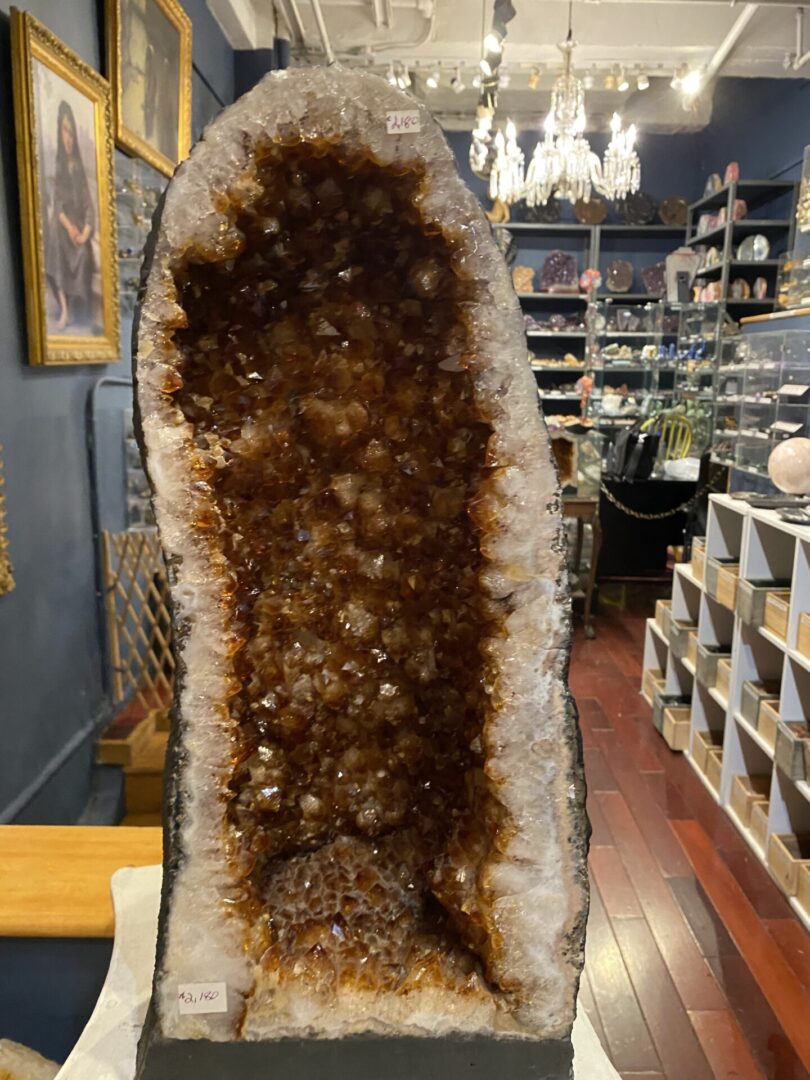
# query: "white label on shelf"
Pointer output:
{"type": "Point", "coordinates": [402, 120]}
{"type": "Point", "coordinates": [210, 997]}
{"type": "Point", "coordinates": [786, 426]}
{"type": "Point", "coordinates": [793, 389]}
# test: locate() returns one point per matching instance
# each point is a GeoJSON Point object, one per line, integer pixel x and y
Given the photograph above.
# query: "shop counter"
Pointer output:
{"type": "Point", "coordinates": [56, 925]}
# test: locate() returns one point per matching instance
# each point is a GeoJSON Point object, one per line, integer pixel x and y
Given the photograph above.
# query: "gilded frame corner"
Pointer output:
{"type": "Point", "coordinates": [127, 139]}
{"type": "Point", "coordinates": [30, 41]}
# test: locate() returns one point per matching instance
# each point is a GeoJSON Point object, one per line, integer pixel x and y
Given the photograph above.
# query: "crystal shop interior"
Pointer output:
{"type": "Point", "coordinates": [641, 169]}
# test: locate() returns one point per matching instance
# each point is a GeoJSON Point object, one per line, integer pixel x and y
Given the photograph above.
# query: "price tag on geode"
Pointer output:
{"type": "Point", "coordinates": [202, 998]}
{"type": "Point", "coordinates": [402, 121]}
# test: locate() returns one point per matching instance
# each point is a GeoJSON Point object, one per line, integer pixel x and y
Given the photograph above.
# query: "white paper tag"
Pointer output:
{"type": "Point", "coordinates": [402, 120]}
{"type": "Point", "coordinates": [786, 426]}
{"type": "Point", "coordinates": [793, 389]}
{"type": "Point", "coordinates": [202, 998]}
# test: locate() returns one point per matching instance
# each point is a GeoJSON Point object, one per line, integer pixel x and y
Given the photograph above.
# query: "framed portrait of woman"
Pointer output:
{"type": "Point", "coordinates": [63, 119]}
{"type": "Point", "coordinates": [149, 64]}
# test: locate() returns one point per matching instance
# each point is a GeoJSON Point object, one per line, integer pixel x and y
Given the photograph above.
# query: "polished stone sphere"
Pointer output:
{"type": "Point", "coordinates": [789, 466]}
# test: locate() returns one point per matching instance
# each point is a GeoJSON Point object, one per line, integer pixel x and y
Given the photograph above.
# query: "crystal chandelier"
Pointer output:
{"type": "Point", "coordinates": [563, 163]}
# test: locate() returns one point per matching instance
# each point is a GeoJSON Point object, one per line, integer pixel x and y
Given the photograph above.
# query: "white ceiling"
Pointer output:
{"type": "Point", "coordinates": [656, 35]}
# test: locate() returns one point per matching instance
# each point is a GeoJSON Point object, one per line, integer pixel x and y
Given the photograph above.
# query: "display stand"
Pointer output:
{"type": "Point", "coordinates": [735, 624]}
{"type": "Point", "coordinates": [107, 1048]}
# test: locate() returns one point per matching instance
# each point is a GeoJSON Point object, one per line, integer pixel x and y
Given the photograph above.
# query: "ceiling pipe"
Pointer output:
{"type": "Point", "coordinates": [800, 58]}
{"type": "Point", "coordinates": [388, 13]}
{"type": "Point", "coordinates": [320, 22]}
{"type": "Point", "coordinates": [726, 46]}
{"type": "Point", "coordinates": [292, 17]}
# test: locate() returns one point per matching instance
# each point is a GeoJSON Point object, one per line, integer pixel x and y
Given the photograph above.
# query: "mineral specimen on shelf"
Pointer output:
{"type": "Point", "coordinates": [376, 819]}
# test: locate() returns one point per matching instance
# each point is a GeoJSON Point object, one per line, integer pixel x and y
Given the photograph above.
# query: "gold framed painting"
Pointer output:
{"type": "Point", "coordinates": [63, 120]}
{"type": "Point", "coordinates": [149, 64]}
{"type": "Point", "coordinates": [6, 575]}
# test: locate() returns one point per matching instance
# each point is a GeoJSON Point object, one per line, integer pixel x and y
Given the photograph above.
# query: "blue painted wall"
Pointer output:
{"type": "Point", "coordinates": [51, 694]}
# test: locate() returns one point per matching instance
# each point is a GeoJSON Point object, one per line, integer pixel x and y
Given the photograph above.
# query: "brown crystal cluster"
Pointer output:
{"type": "Point", "coordinates": [324, 374]}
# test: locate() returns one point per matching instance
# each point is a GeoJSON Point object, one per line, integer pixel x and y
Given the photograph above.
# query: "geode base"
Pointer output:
{"type": "Point", "coordinates": [361, 1058]}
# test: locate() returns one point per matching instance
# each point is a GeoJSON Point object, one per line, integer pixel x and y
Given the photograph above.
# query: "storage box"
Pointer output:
{"type": "Point", "coordinates": [677, 722]}
{"type": "Point", "coordinates": [662, 701]}
{"type": "Point", "coordinates": [723, 680]}
{"type": "Point", "coordinates": [786, 853]}
{"type": "Point", "coordinates": [791, 739]}
{"type": "Point", "coordinates": [712, 573]}
{"type": "Point", "coordinates": [727, 582]}
{"type": "Point", "coordinates": [702, 742]}
{"type": "Point", "coordinates": [753, 694]}
{"type": "Point", "coordinates": [708, 657]}
{"type": "Point", "coordinates": [663, 616]}
{"type": "Point", "coordinates": [777, 607]}
{"type": "Point", "coordinates": [752, 597]}
{"type": "Point", "coordinates": [714, 767]}
{"type": "Point", "coordinates": [768, 721]}
{"type": "Point", "coordinates": [745, 791]}
{"type": "Point", "coordinates": [649, 681]}
{"type": "Point", "coordinates": [760, 809]}
{"type": "Point", "coordinates": [803, 891]}
{"type": "Point", "coordinates": [679, 632]}
{"type": "Point", "coordinates": [692, 647]}
{"type": "Point", "coordinates": [699, 557]}
{"type": "Point", "coordinates": [803, 638]}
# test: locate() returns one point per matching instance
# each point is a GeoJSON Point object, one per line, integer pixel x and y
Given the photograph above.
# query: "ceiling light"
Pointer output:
{"type": "Point", "coordinates": [492, 43]}
{"type": "Point", "coordinates": [623, 83]}
{"type": "Point", "coordinates": [392, 76]}
{"type": "Point", "coordinates": [432, 81]}
{"type": "Point", "coordinates": [456, 82]}
{"type": "Point", "coordinates": [691, 82]}
{"type": "Point", "coordinates": [403, 78]}
{"type": "Point", "coordinates": [678, 76]}
{"type": "Point", "coordinates": [534, 78]}
{"type": "Point", "coordinates": [476, 80]}
{"type": "Point", "coordinates": [486, 69]}
{"type": "Point", "coordinates": [589, 79]}
{"type": "Point", "coordinates": [610, 81]}
{"type": "Point", "coordinates": [643, 80]}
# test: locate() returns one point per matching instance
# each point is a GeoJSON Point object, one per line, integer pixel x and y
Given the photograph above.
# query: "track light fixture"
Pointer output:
{"type": "Point", "coordinates": [622, 82]}
{"type": "Point", "coordinates": [433, 79]}
{"type": "Point", "coordinates": [456, 81]}
{"type": "Point", "coordinates": [643, 80]}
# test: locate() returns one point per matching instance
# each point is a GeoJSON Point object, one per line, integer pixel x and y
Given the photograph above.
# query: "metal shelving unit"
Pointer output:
{"type": "Point", "coordinates": [775, 201]}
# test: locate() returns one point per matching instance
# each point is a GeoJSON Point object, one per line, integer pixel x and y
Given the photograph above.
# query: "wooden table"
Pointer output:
{"type": "Point", "coordinates": [586, 512]}
{"type": "Point", "coordinates": [56, 879]}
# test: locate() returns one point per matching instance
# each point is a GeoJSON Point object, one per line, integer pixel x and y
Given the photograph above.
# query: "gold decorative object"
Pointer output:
{"type": "Point", "coordinates": [149, 65]}
{"type": "Point", "coordinates": [499, 213]}
{"type": "Point", "coordinates": [523, 279]}
{"type": "Point", "coordinates": [6, 576]}
{"type": "Point", "coordinates": [138, 621]}
{"type": "Point", "coordinates": [65, 164]}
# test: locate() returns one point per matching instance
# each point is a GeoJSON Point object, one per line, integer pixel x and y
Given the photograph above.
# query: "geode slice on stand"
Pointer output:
{"type": "Point", "coordinates": [376, 833]}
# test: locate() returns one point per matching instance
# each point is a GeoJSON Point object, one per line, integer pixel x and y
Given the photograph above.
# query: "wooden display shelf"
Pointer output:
{"type": "Point", "coordinates": [56, 879]}
{"type": "Point", "coordinates": [766, 549]}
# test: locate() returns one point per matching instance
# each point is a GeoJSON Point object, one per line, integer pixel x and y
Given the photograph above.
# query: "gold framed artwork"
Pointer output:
{"type": "Point", "coordinates": [63, 120]}
{"type": "Point", "coordinates": [6, 576]}
{"type": "Point", "coordinates": [149, 63]}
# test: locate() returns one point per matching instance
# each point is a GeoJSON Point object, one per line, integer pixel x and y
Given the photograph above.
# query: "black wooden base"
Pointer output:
{"type": "Point", "coordinates": [361, 1058]}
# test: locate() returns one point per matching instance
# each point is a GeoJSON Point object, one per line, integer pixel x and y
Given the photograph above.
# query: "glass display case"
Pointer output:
{"type": "Point", "coordinates": [579, 451]}
{"type": "Point", "coordinates": [702, 345]}
{"type": "Point", "coordinates": [629, 347]}
{"type": "Point", "coordinates": [763, 397]}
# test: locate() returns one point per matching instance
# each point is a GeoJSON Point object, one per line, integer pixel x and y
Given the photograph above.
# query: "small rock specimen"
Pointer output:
{"type": "Point", "coordinates": [376, 800]}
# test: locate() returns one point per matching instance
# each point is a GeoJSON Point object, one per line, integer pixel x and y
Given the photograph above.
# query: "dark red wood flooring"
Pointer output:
{"type": "Point", "coordinates": [696, 967]}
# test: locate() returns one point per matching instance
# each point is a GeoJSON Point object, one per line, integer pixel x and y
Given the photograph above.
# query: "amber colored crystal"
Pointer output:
{"type": "Point", "coordinates": [323, 374]}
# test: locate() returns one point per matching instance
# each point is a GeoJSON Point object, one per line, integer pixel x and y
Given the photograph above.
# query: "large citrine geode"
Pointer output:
{"type": "Point", "coordinates": [376, 807]}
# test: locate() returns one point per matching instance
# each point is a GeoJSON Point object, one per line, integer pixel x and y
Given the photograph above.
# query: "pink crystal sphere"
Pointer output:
{"type": "Point", "coordinates": [789, 466]}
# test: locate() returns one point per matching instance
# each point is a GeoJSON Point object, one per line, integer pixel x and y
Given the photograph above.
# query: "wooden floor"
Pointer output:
{"type": "Point", "coordinates": [695, 967]}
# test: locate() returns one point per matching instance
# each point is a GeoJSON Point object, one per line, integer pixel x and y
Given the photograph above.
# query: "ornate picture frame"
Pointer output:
{"type": "Point", "coordinates": [6, 575]}
{"type": "Point", "coordinates": [63, 121]}
{"type": "Point", "coordinates": [149, 65]}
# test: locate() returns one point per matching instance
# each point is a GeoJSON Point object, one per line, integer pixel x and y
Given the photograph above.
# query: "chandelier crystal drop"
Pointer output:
{"type": "Point", "coordinates": [506, 178]}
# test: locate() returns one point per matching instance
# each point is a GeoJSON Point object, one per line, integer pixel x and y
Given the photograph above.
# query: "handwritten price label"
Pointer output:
{"type": "Point", "coordinates": [202, 997]}
{"type": "Point", "coordinates": [402, 121]}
